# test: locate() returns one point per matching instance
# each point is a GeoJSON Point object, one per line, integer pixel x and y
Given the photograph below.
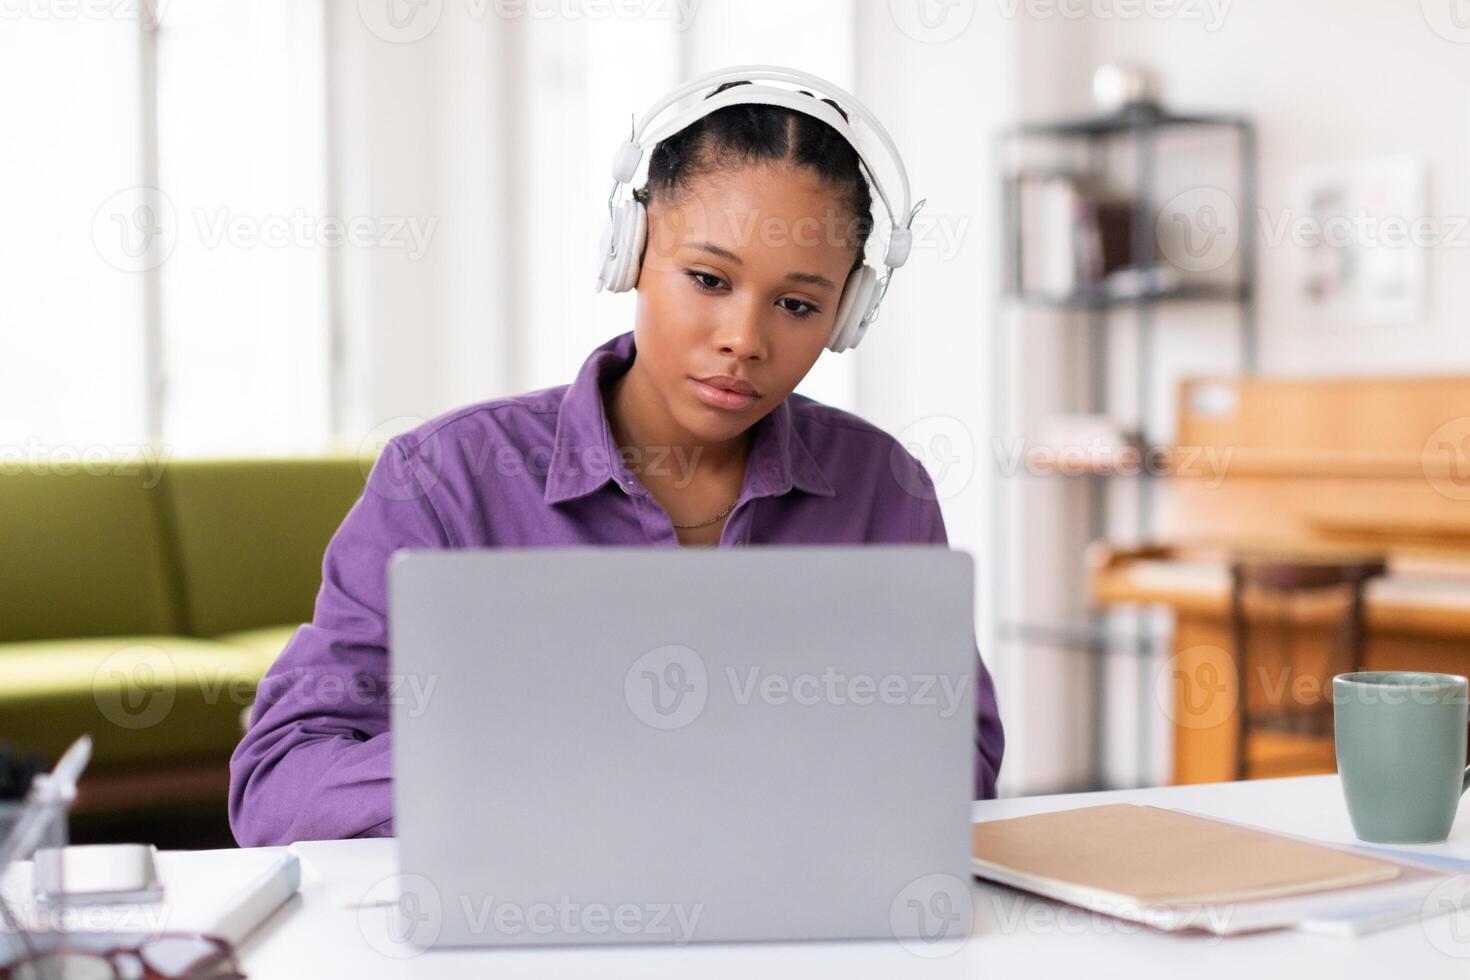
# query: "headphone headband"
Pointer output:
{"type": "Point", "coordinates": [630, 154]}
{"type": "Point", "coordinates": [766, 95]}
{"type": "Point", "coordinates": [627, 225]}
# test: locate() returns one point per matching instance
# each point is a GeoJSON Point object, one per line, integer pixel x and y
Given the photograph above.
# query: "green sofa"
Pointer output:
{"type": "Point", "coordinates": [143, 605]}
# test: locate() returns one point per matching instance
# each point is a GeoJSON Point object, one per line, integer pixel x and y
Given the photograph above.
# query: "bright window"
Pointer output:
{"type": "Point", "coordinates": [164, 192]}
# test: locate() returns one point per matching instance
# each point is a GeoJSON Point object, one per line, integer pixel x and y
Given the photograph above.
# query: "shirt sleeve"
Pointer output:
{"type": "Point", "coordinates": [315, 763]}
{"type": "Point", "coordinates": [989, 735]}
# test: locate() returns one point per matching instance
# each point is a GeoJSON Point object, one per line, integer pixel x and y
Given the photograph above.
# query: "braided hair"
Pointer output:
{"type": "Point", "coordinates": [748, 134]}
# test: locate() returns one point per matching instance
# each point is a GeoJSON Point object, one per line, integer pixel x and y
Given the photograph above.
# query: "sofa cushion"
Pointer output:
{"type": "Point", "coordinates": [144, 699]}
{"type": "Point", "coordinates": [266, 642]}
{"type": "Point", "coordinates": [85, 553]}
{"type": "Point", "coordinates": [250, 535]}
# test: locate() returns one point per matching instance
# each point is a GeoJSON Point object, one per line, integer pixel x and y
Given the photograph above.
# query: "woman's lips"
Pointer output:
{"type": "Point", "coordinates": [715, 397]}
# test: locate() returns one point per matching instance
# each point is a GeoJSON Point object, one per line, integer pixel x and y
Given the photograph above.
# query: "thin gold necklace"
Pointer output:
{"type": "Point", "coordinates": [712, 519]}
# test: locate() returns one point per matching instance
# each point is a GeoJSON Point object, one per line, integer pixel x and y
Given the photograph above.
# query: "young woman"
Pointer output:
{"type": "Point", "coordinates": [684, 431]}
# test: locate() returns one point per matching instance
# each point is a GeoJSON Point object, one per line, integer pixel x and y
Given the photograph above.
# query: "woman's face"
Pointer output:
{"type": "Point", "coordinates": [740, 277]}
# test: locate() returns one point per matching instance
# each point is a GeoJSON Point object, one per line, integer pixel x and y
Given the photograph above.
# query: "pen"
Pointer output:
{"type": "Point", "coordinates": [48, 791]}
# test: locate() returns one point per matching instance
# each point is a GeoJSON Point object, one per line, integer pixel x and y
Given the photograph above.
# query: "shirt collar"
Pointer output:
{"type": "Point", "coordinates": [583, 456]}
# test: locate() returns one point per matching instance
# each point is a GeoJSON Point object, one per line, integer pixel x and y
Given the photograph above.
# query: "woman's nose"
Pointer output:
{"type": "Point", "coordinates": [742, 333]}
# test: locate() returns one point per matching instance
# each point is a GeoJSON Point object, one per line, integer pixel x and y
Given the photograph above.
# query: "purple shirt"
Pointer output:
{"type": "Point", "coordinates": [535, 470]}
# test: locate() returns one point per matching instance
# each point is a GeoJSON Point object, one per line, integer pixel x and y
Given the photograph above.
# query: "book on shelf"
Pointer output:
{"type": "Point", "coordinates": [1070, 235]}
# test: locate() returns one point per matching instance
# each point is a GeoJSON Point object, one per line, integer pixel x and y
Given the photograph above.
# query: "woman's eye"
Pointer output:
{"type": "Point", "coordinates": [798, 308]}
{"type": "Point", "coordinates": [705, 280]}
{"type": "Point", "coordinates": [709, 282]}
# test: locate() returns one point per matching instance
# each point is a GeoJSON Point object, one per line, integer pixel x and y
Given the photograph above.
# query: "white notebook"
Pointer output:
{"type": "Point", "coordinates": [223, 893]}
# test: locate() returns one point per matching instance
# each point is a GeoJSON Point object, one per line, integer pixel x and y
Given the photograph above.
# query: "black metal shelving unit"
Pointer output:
{"type": "Point", "coordinates": [1141, 127]}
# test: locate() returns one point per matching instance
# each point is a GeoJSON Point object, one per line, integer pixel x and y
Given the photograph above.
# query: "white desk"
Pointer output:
{"type": "Point", "coordinates": [1014, 935]}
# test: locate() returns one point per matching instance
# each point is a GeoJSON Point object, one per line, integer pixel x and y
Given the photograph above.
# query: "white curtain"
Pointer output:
{"type": "Point", "coordinates": [162, 185]}
{"type": "Point", "coordinates": [243, 296]}
{"type": "Point", "coordinates": [71, 320]}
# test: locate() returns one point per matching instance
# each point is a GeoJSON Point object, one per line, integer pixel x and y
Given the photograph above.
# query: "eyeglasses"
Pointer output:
{"type": "Point", "coordinates": [114, 956]}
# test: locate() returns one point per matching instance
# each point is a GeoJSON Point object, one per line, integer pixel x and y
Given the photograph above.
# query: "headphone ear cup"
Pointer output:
{"type": "Point", "coordinates": [637, 236]}
{"type": "Point", "coordinates": [858, 294]}
{"type": "Point", "coordinates": [628, 229]}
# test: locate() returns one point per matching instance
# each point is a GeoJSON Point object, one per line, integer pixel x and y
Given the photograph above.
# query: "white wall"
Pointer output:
{"type": "Point", "coordinates": [1329, 83]}
{"type": "Point", "coordinates": [923, 368]}
{"type": "Point", "coordinates": [417, 130]}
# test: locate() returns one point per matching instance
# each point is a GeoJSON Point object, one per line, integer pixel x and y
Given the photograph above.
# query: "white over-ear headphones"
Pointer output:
{"type": "Point", "coordinates": [627, 227]}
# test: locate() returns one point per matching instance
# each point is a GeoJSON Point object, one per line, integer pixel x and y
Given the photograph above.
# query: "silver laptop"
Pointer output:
{"type": "Point", "coordinates": [643, 745]}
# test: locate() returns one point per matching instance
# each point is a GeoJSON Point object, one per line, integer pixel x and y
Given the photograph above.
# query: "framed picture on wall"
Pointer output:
{"type": "Point", "coordinates": [1359, 233]}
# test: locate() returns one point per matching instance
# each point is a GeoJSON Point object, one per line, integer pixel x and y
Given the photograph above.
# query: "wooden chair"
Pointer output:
{"type": "Point", "coordinates": [1288, 723]}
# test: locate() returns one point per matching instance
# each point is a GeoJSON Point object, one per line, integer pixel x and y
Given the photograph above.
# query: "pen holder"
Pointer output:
{"type": "Point", "coordinates": [19, 914]}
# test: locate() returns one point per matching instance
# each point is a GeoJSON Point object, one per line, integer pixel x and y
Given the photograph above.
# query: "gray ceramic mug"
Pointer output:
{"type": "Point", "coordinates": [1401, 752]}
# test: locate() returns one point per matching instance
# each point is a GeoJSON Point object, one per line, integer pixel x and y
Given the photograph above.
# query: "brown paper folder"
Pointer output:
{"type": "Point", "coordinates": [1153, 856]}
